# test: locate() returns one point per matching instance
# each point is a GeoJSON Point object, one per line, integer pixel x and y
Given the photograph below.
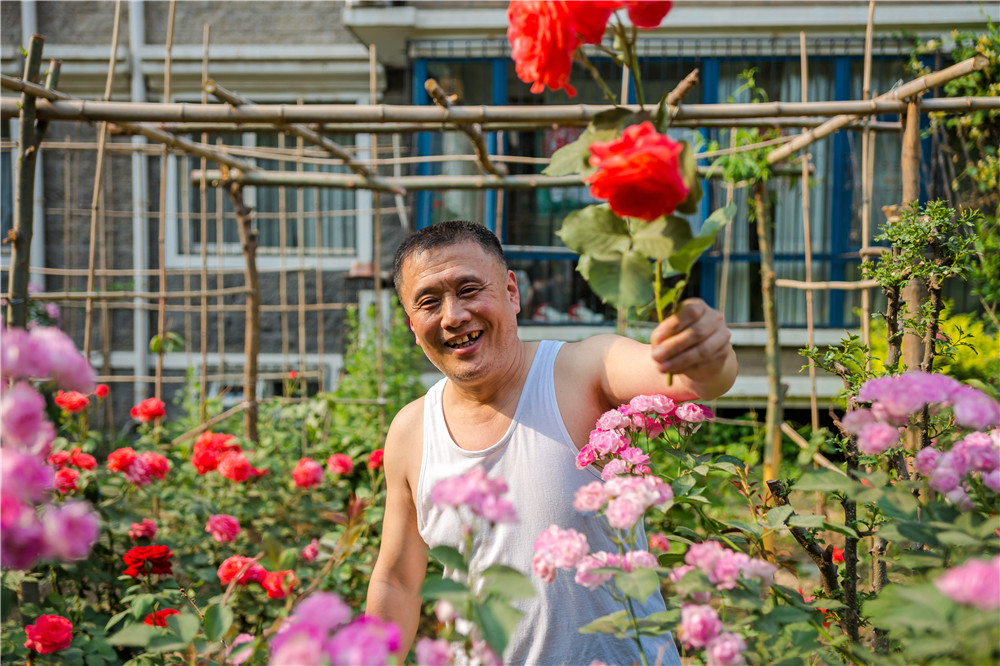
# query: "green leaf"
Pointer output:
{"type": "Point", "coordinates": [662, 237]}
{"type": "Point", "coordinates": [507, 583]}
{"type": "Point", "coordinates": [683, 485]}
{"type": "Point", "coordinates": [497, 620]}
{"type": "Point", "coordinates": [788, 615]}
{"type": "Point", "coordinates": [185, 625]}
{"type": "Point", "coordinates": [8, 602]}
{"type": "Point", "coordinates": [689, 171]}
{"type": "Point", "coordinates": [133, 635]}
{"type": "Point", "coordinates": [825, 481]}
{"type": "Point", "coordinates": [115, 619]}
{"type": "Point", "coordinates": [908, 609]}
{"type": "Point", "coordinates": [638, 584]}
{"type": "Point", "coordinates": [571, 158]}
{"type": "Point", "coordinates": [840, 529]}
{"type": "Point", "coordinates": [450, 557]}
{"type": "Point", "coordinates": [595, 231]}
{"type": "Point", "coordinates": [218, 619]}
{"type": "Point", "coordinates": [575, 157]}
{"type": "Point", "coordinates": [808, 520]}
{"type": "Point", "coordinates": [616, 623]}
{"type": "Point", "coordinates": [686, 257]}
{"type": "Point", "coordinates": [624, 283]}
{"type": "Point", "coordinates": [288, 558]}
{"type": "Point", "coordinates": [445, 588]}
{"type": "Point", "coordinates": [745, 527]}
{"type": "Point", "coordinates": [778, 515]}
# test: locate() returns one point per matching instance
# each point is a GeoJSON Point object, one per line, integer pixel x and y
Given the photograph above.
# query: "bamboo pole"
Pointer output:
{"type": "Point", "coordinates": [474, 132]}
{"type": "Point", "coordinates": [102, 134]}
{"type": "Point", "coordinates": [300, 231]}
{"type": "Point", "coordinates": [124, 113]}
{"type": "Point", "coordinates": [825, 285]}
{"type": "Point", "coordinates": [282, 256]}
{"type": "Point", "coordinates": [914, 292]}
{"type": "Point", "coordinates": [772, 350]}
{"type": "Point", "coordinates": [807, 239]}
{"type": "Point", "coordinates": [24, 225]}
{"type": "Point", "coordinates": [377, 262]}
{"type": "Point", "coordinates": [914, 87]}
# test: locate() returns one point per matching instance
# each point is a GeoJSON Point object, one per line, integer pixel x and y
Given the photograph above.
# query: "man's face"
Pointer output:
{"type": "Point", "coordinates": [462, 305]}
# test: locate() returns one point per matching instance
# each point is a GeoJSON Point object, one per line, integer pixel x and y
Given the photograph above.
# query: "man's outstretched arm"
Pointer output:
{"type": "Point", "coordinates": [394, 588]}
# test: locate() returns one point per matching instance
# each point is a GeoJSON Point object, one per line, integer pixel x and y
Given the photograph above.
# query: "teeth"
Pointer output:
{"type": "Point", "coordinates": [464, 341]}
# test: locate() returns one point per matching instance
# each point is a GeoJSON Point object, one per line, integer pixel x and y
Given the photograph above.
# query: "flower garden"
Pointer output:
{"type": "Point", "coordinates": [187, 543]}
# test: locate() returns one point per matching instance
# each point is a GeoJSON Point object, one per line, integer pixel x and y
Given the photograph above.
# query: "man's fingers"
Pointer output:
{"type": "Point", "coordinates": [689, 312]}
{"type": "Point", "coordinates": [710, 349]}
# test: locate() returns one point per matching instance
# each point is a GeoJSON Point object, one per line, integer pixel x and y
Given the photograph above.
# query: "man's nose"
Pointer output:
{"type": "Point", "coordinates": [453, 312]}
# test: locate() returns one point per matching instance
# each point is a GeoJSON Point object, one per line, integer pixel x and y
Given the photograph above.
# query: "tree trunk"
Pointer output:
{"type": "Point", "coordinates": [248, 242]}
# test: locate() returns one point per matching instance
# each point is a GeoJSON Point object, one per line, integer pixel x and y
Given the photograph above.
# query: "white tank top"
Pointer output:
{"type": "Point", "coordinates": [536, 457]}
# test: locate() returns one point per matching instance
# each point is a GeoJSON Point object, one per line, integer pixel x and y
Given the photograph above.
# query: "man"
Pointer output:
{"type": "Point", "coordinates": [522, 410]}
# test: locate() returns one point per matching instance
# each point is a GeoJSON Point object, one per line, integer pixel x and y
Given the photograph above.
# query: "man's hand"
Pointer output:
{"type": "Point", "coordinates": [694, 342]}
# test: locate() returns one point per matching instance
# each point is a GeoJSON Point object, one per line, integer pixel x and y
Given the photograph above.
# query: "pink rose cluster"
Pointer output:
{"type": "Point", "coordinates": [139, 468]}
{"type": "Point", "coordinates": [220, 452]}
{"type": "Point", "coordinates": [701, 628]}
{"type": "Point", "coordinates": [320, 630]}
{"type": "Point", "coordinates": [973, 583]}
{"type": "Point", "coordinates": [612, 441]}
{"type": "Point", "coordinates": [723, 567]}
{"type": "Point", "coordinates": [952, 473]}
{"type": "Point", "coordinates": [223, 527]}
{"type": "Point", "coordinates": [308, 473]}
{"type": "Point", "coordinates": [895, 398]}
{"type": "Point", "coordinates": [556, 548]}
{"type": "Point", "coordinates": [623, 499]}
{"type": "Point", "coordinates": [245, 570]}
{"type": "Point", "coordinates": [478, 492]}
{"type": "Point", "coordinates": [32, 528]}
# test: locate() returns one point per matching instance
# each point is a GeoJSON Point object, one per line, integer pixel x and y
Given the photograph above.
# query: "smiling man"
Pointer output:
{"type": "Point", "coordinates": [521, 410]}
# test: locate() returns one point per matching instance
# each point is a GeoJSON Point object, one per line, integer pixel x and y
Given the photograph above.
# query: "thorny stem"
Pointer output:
{"type": "Point", "coordinates": [631, 60]}
{"type": "Point", "coordinates": [597, 77]}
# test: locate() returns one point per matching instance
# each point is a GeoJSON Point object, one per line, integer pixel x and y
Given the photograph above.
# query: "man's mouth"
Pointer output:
{"type": "Point", "coordinates": [464, 341]}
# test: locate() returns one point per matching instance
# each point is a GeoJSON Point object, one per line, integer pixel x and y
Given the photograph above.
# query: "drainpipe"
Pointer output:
{"type": "Point", "coordinates": [140, 199]}
{"type": "Point", "coordinates": [36, 254]}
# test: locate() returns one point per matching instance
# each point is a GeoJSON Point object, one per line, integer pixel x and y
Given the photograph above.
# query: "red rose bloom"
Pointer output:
{"type": "Point", "coordinates": [590, 18]}
{"type": "Point", "coordinates": [838, 555]}
{"type": "Point", "coordinates": [638, 174]}
{"type": "Point", "coordinates": [148, 559]}
{"type": "Point", "coordinates": [279, 583]}
{"type": "Point", "coordinates": [340, 463]}
{"type": "Point", "coordinates": [375, 459]}
{"type": "Point", "coordinates": [647, 13]}
{"type": "Point", "coordinates": [65, 480]}
{"type": "Point", "coordinates": [307, 473]}
{"type": "Point", "coordinates": [145, 529]}
{"type": "Point", "coordinates": [159, 618]}
{"type": "Point", "coordinates": [121, 459]}
{"type": "Point", "coordinates": [292, 374]}
{"type": "Point", "coordinates": [232, 566]}
{"type": "Point", "coordinates": [102, 391]}
{"type": "Point", "coordinates": [149, 409]}
{"type": "Point", "coordinates": [157, 464]}
{"type": "Point", "coordinates": [49, 633]}
{"type": "Point", "coordinates": [235, 467]}
{"type": "Point", "coordinates": [209, 448]}
{"type": "Point", "coordinates": [82, 460]}
{"type": "Point", "coordinates": [73, 402]}
{"type": "Point", "coordinates": [59, 459]}
{"type": "Point", "coordinates": [542, 40]}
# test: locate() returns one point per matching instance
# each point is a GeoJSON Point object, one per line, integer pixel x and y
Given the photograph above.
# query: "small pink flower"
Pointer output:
{"type": "Point", "coordinates": [727, 569]}
{"type": "Point", "coordinates": [613, 420]}
{"type": "Point", "coordinates": [699, 625]}
{"type": "Point", "coordinates": [974, 583]}
{"type": "Point", "coordinates": [433, 652]}
{"type": "Point", "coordinates": [726, 649]}
{"type": "Point", "coordinates": [340, 464]}
{"type": "Point", "coordinates": [543, 566]}
{"type": "Point", "coordinates": [856, 419]}
{"type": "Point", "coordinates": [585, 574]}
{"type": "Point", "coordinates": [565, 547]}
{"type": "Point", "coordinates": [960, 499]}
{"type": "Point", "coordinates": [24, 476]}
{"type": "Point", "coordinates": [22, 419]}
{"type": "Point", "coordinates": [691, 412]}
{"type": "Point", "coordinates": [658, 541]}
{"type": "Point", "coordinates": [945, 478]}
{"type": "Point", "coordinates": [22, 536]}
{"type": "Point", "coordinates": [974, 409]}
{"type": "Point", "coordinates": [223, 527]}
{"type": "Point", "coordinates": [992, 480]}
{"type": "Point", "coordinates": [606, 443]}
{"type": "Point", "coordinates": [704, 556]}
{"type": "Point", "coordinates": [614, 468]}
{"type": "Point", "coordinates": [65, 480]}
{"type": "Point", "coordinates": [639, 559]}
{"type": "Point", "coordinates": [142, 530]}
{"type": "Point", "coordinates": [764, 571]}
{"type": "Point", "coordinates": [585, 457]}
{"type": "Point", "coordinates": [67, 366]}
{"type": "Point", "coordinates": [367, 640]}
{"type": "Point", "coordinates": [624, 512]}
{"type": "Point", "coordinates": [310, 552]}
{"type": "Point", "coordinates": [21, 355]}
{"type": "Point", "coordinates": [307, 473]}
{"type": "Point", "coordinates": [590, 497]}
{"type": "Point", "coordinates": [925, 460]}
{"type": "Point", "coordinates": [877, 437]}
{"type": "Point", "coordinates": [71, 530]}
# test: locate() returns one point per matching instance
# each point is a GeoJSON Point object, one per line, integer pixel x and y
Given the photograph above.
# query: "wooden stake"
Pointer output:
{"type": "Point", "coordinates": [248, 241]}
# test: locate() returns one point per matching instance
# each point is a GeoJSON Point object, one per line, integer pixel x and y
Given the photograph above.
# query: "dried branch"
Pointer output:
{"type": "Point", "coordinates": [823, 558]}
{"type": "Point", "coordinates": [473, 131]}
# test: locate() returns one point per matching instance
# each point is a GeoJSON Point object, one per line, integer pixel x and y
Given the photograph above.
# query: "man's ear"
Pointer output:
{"type": "Point", "coordinates": [409, 324]}
{"type": "Point", "coordinates": [513, 292]}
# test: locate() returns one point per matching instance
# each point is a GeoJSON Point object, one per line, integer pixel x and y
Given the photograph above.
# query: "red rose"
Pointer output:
{"type": "Point", "coordinates": [65, 480]}
{"type": "Point", "coordinates": [209, 448]}
{"type": "Point", "coordinates": [307, 473]}
{"type": "Point", "coordinates": [73, 402]}
{"type": "Point", "coordinates": [149, 409]}
{"type": "Point", "coordinates": [59, 459]}
{"type": "Point", "coordinates": [375, 458]}
{"type": "Point", "coordinates": [157, 464]}
{"type": "Point", "coordinates": [82, 460]}
{"type": "Point", "coordinates": [121, 459]}
{"type": "Point", "coordinates": [659, 541]}
{"type": "Point", "coordinates": [102, 391]}
{"type": "Point", "coordinates": [156, 557]}
{"type": "Point", "coordinates": [145, 529]}
{"type": "Point", "coordinates": [638, 174]}
{"type": "Point", "coordinates": [232, 567]}
{"type": "Point", "coordinates": [647, 13]}
{"type": "Point", "coordinates": [159, 618]}
{"type": "Point", "coordinates": [838, 555]}
{"type": "Point", "coordinates": [235, 467]}
{"type": "Point", "coordinates": [279, 583]}
{"type": "Point", "coordinates": [590, 18]}
{"type": "Point", "coordinates": [340, 463]}
{"type": "Point", "coordinates": [292, 374]}
{"type": "Point", "coordinates": [49, 633]}
{"type": "Point", "coordinates": [542, 40]}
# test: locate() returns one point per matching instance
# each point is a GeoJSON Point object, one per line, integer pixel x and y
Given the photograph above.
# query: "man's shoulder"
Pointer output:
{"type": "Point", "coordinates": [409, 417]}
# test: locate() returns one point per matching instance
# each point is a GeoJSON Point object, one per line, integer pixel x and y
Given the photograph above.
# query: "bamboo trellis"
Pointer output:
{"type": "Point", "coordinates": [236, 167]}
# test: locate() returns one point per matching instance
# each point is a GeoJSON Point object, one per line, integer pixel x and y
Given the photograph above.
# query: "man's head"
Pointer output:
{"type": "Point", "coordinates": [451, 232]}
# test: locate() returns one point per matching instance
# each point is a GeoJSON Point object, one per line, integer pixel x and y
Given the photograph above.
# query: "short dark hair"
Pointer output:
{"type": "Point", "coordinates": [444, 234]}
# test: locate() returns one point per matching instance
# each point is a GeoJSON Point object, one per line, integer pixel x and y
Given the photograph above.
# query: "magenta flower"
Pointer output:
{"type": "Point", "coordinates": [24, 476]}
{"type": "Point", "coordinates": [22, 536]}
{"type": "Point", "coordinates": [144, 529]}
{"type": "Point", "coordinates": [310, 552]}
{"type": "Point", "coordinates": [307, 473]}
{"type": "Point", "coordinates": [926, 460]}
{"type": "Point", "coordinates": [974, 583]}
{"type": "Point", "coordinates": [340, 464]}
{"type": "Point", "coordinates": [21, 356]}
{"type": "Point", "coordinates": [591, 497]}
{"type": "Point", "coordinates": [479, 493]}
{"type": "Point", "coordinates": [728, 568]}
{"type": "Point", "coordinates": [71, 530]}
{"type": "Point", "coordinates": [585, 574]}
{"type": "Point", "coordinates": [726, 649]}
{"type": "Point", "coordinates": [691, 412]}
{"type": "Point", "coordinates": [699, 625]}
{"type": "Point", "coordinates": [67, 366]}
{"type": "Point", "coordinates": [624, 512]}
{"type": "Point", "coordinates": [433, 652]}
{"type": "Point", "coordinates": [368, 641]}
{"type": "Point", "coordinates": [974, 409]}
{"type": "Point", "coordinates": [23, 422]}
{"type": "Point", "coordinates": [877, 438]}
{"type": "Point", "coordinates": [992, 480]}
{"type": "Point", "coordinates": [223, 527]}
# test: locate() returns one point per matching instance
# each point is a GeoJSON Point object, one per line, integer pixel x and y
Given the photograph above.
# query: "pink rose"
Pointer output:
{"type": "Point", "coordinates": [992, 480]}
{"type": "Point", "coordinates": [877, 437]}
{"type": "Point", "coordinates": [613, 420]}
{"type": "Point", "coordinates": [22, 536]}
{"type": "Point", "coordinates": [307, 473]}
{"type": "Point", "coordinates": [71, 530]}
{"type": "Point", "coordinates": [144, 529]}
{"type": "Point", "coordinates": [24, 476]}
{"type": "Point", "coordinates": [727, 569]}
{"type": "Point", "coordinates": [691, 412]}
{"type": "Point", "coordinates": [223, 527]}
{"type": "Point", "coordinates": [974, 583]}
{"type": "Point", "coordinates": [585, 457]}
{"type": "Point", "coordinates": [623, 513]}
{"type": "Point", "coordinates": [699, 625]}
{"type": "Point", "coordinates": [433, 652]}
{"type": "Point", "coordinates": [614, 468]}
{"type": "Point", "coordinates": [926, 460]}
{"type": "Point", "coordinates": [726, 649]}
{"type": "Point", "coordinates": [22, 419]}
{"type": "Point", "coordinates": [21, 355]}
{"type": "Point", "coordinates": [639, 559]}
{"type": "Point", "coordinates": [340, 464]}
{"type": "Point", "coordinates": [67, 366]}
{"type": "Point", "coordinates": [543, 566]}
{"type": "Point", "coordinates": [585, 574]}
{"type": "Point", "coordinates": [310, 552]}
{"type": "Point", "coordinates": [590, 497]}
{"type": "Point", "coordinates": [974, 409]}
{"type": "Point", "coordinates": [565, 547]}
{"type": "Point", "coordinates": [367, 640]}
{"type": "Point", "coordinates": [658, 541]}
